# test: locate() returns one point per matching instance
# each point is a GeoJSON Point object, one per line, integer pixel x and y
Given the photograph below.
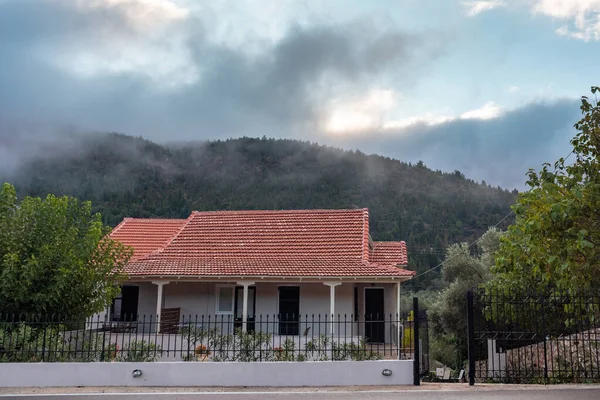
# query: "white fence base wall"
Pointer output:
{"type": "Point", "coordinates": [229, 374]}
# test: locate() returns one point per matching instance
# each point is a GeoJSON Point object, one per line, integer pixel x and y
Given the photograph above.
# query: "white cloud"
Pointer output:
{"type": "Point", "coordinates": [360, 114]}
{"type": "Point", "coordinates": [582, 16]}
{"type": "Point", "coordinates": [514, 89]}
{"type": "Point", "coordinates": [425, 119]}
{"type": "Point", "coordinates": [146, 37]}
{"type": "Point", "coordinates": [477, 7]}
{"type": "Point", "coordinates": [151, 38]}
{"type": "Point", "coordinates": [371, 111]}
{"type": "Point", "coordinates": [489, 110]}
{"type": "Point", "coordinates": [141, 14]}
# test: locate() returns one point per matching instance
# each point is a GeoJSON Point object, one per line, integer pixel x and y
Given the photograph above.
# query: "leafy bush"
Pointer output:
{"type": "Point", "coordinates": [241, 346]}
{"type": "Point", "coordinates": [353, 351]}
{"type": "Point", "coordinates": [140, 351]}
{"type": "Point", "coordinates": [24, 343]}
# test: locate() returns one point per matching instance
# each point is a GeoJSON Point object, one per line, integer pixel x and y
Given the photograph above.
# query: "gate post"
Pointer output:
{"type": "Point", "coordinates": [471, 337]}
{"type": "Point", "coordinates": [416, 352]}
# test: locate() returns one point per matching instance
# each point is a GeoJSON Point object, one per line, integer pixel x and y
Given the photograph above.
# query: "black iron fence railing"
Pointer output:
{"type": "Point", "coordinates": [205, 338]}
{"type": "Point", "coordinates": [549, 337]}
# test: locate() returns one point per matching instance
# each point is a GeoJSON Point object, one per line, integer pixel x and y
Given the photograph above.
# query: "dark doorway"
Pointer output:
{"type": "Point", "coordinates": [239, 307]}
{"type": "Point", "coordinates": [374, 316]}
{"type": "Point", "coordinates": [125, 305]}
{"type": "Point", "coordinates": [289, 310]}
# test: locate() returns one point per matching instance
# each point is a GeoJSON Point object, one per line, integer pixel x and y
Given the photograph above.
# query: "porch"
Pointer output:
{"type": "Point", "coordinates": [299, 311]}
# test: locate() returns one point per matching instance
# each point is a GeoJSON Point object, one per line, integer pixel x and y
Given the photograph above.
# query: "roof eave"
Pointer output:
{"type": "Point", "coordinates": [266, 278]}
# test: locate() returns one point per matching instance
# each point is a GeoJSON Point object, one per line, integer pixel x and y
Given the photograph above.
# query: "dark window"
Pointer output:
{"type": "Point", "coordinates": [374, 317]}
{"type": "Point", "coordinates": [289, 310]}
{"type": "Point", "coordinates": [125, 305]}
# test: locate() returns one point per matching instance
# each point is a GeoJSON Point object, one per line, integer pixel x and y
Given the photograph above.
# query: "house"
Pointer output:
{"type": "Point", "coordinates": [247, 266]}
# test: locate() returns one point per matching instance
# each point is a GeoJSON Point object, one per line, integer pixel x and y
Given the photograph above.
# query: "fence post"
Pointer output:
{"type": "Point", "coordinates": [417, 356]}
{"type": "Point", "coordinates": [102, 355]}
{"type": "Point", "coordinates": [45, 327]}
{"type": "Point", "coordinates": [545, 339]}
{"type": "Point", "coordinates": [471, 337]}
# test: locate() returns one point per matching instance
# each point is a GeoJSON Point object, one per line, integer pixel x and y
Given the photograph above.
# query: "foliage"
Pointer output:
{"type": "Point", "coordinates": [408, 338]}
{"type": "Point", "coordinates": [555, 240]}
{"type": "Point", "coordinates": [462, 271]}
{"type": "Point", "coordinates": [427, 297]}
{"type": "Point", "coordinates": [55, 257]}
{"type": "Point", "coordinates": [140, 351]}
{"type": "Point", "coordinates": [353, 351]}
{"type": "Point", "coordinates": [319, 344]}
{"type": "Point", "coordinates": [447, 350]}
{"type": "Point", "coordinates": [286, 351]}
{"type": "Point", "coordinates": [240, 346]}
{"type": "Point", "coordinates": [28, 343]}
{"type": "Point", "coordinates": [24, 343]}
{"type": "Point", "coordinates": [131, 177]}
{"type": "Point", "coordinates": [258, 346]}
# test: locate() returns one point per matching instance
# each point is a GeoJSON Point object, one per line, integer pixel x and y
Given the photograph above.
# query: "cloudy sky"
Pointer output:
{"type": "Point", "coordinates": [490, 88]}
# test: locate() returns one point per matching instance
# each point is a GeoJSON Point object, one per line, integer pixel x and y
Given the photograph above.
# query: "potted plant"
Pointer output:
{"type": "Point", "coordinates": [202, 352]}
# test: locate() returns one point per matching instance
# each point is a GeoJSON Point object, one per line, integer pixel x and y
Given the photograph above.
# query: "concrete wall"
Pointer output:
{"type": "Point", "coordinates": [334, 373]}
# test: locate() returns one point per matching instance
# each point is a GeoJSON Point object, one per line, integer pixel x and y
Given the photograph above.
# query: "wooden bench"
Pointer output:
{"type": "Point", "coordinates": [169, 320]}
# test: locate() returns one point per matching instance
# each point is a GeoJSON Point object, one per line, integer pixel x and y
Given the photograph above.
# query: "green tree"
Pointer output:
{"type": "Point", "coordinates": [55, 257]}
{"type": "Point", "coordinates": [555, 240]}
{"type": "Point", "coordinates": [448, 314]}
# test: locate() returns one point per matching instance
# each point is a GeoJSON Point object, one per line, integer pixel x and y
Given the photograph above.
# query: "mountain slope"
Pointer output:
{"type": "Point", "coordinates": [127, 176]}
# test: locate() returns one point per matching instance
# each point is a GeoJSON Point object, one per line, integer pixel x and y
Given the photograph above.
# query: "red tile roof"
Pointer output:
{"type": "Point", "coordinates": [389, 253]}
{"type": "Point", "coordinates": [146, 235]}
{"type": "Point", "coordinates": [308, 243]}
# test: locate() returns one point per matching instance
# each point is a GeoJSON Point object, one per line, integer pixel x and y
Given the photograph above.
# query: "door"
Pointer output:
{"type": "Point", "coordinates": [374, 315]}
{"type": "Point", "coordinates": [289, 310]}
{"type": "Point", "coordinates": [125, 305]}
{"type": "Point", "coordinates": [239, 307]}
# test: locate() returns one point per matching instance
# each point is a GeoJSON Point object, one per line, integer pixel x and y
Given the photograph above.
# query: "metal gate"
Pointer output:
{"type": "Point", "coordinates": [551, 337]}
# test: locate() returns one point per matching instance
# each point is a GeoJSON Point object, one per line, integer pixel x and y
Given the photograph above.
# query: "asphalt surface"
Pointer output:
{"type": "Point", "coordinates": [541, 393]}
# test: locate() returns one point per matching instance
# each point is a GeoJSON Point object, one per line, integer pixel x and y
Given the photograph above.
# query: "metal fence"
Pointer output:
{"type": "Point", "coordinates": [549, 337]}
{"type": "Point", "coordinates": [206, 338]}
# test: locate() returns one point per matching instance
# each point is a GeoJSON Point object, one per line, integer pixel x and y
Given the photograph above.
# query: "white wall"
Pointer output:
{"type": "Point", "coordinates": [193, 298]}
{"type": "Point", "coordinates": [333, 373]}
{"type": "Point", "coordinates": [147, 307]}
{"type": "Point", "coordinates": [197, 299]}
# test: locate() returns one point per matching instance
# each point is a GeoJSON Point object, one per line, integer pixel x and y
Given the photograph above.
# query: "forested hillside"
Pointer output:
{"type": "Point", "coordinates": [127, 176]}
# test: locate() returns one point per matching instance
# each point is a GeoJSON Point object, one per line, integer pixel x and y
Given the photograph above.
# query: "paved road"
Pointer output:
{"type": "Point", "coordinates": [529, 394]}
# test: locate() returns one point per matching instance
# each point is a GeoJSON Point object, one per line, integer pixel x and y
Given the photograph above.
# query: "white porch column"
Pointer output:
{"type": "Point", "coordinates": [159, 300]}
{"type": "Point", "coordinates": [332, 286]}
{"type": "Point", "coordinates": [245, 284]}
{"type": "Point", "coordinates": [399, 333]}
